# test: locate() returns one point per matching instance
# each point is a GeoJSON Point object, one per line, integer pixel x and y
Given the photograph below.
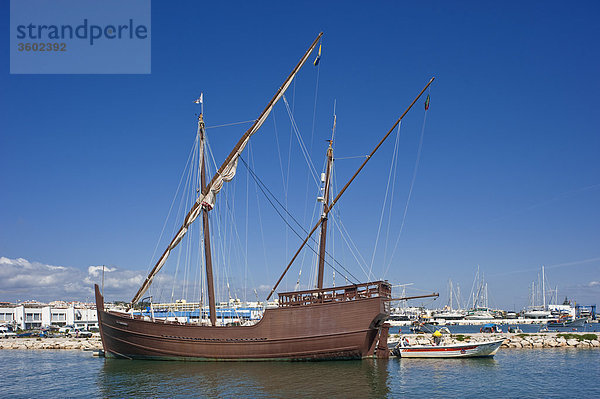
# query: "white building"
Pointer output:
{"type": "Point", "coordinates": [29, 316]}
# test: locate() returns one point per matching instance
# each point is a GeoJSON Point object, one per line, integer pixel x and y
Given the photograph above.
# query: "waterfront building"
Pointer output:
{"type": "Point", "coordinates": [33, 315]}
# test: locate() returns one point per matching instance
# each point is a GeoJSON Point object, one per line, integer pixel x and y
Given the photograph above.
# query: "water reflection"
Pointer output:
{"type": "Point", "coordinates": [446, 365]}
{"type": "Point", "coordinates": [124, 378]}
{"type": "Point", "coordinates": [445, 377]}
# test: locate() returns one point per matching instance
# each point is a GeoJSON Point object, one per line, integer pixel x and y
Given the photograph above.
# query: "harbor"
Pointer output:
{"type": "Point", "coordinates": [299, 200]}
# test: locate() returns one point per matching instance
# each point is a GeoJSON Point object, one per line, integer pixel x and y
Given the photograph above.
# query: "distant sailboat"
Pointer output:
{"type": "Point", "coordinates": [480, 309]}
{"type": "Point", "coordinates": [536, 311]}
{"type": "Point", "coordinates": [449, 313]}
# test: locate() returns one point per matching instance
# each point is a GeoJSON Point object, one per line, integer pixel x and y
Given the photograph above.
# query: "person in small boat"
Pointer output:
{"type": "Point", "coordinates": [437, 338]}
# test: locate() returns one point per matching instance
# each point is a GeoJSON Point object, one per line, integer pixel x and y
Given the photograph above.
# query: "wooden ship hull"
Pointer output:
{"type": "Point", "coordinates": [349, 325]}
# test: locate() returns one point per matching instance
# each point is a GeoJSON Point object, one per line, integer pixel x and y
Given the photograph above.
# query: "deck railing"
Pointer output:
{"type": "Point", "coordinates": [336, 294]}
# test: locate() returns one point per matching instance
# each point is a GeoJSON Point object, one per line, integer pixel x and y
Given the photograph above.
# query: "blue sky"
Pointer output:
{"type": "Point", "coordinates": [508, 178]}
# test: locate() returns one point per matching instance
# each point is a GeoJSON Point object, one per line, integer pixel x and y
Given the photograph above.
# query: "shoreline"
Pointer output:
{"type": "Point", "coordinates": [60, 343]}
{"type": "Point", "coordinates": [580, 340]}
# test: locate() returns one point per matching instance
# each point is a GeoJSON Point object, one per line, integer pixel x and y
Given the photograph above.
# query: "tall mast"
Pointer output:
{"type": "Point", "coordinates": [206, 230]}
{"type": "Point", "coordinates": [324, 215]}
{"type": "Point", "coordinates": [450, 294]}
{"type": "Point", "coordinates": [543, 289]}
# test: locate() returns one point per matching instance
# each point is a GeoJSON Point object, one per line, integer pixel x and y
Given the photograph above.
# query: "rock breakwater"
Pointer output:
{"type": "Point", "coordinates": [538, 340]}
{"type": "Point", "coordinates": [51, 343]}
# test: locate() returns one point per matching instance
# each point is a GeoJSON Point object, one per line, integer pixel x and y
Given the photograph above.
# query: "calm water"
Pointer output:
{"type": "Point", "coordinates": [542, 373]}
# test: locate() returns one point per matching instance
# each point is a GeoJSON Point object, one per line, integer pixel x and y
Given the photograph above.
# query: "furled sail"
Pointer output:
{"type": "Point", "coordinates": [225, 173]}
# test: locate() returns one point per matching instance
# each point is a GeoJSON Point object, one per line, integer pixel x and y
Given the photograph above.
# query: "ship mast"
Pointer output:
{"type": "Point", "coordinates": [324, 215]}
{"type": "Point", "coordinates": [325, 197]}
{"type": "Point", "coordinates": [206, 230]}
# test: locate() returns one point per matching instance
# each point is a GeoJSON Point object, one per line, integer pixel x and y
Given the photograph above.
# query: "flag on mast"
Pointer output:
{"type": "Point", "coordinates": [199, 99]}
{"type": "Point", "coordinates": [318, 56]}
{"type": "Point", "coordinates": [427, 103]}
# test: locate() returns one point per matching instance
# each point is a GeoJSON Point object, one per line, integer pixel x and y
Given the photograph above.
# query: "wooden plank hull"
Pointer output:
{"type": "Point", "coordinates": [338, 330]}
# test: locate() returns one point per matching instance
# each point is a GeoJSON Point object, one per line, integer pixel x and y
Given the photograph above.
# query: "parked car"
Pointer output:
{"type": "Point", "coordinates": [79, 334]}
{"type": "Point", "coordinates": [66, 329]}
{"type": "Point", "coordinates": [47, 333]}
{"type": "Point", "coordinates": [6, 333]}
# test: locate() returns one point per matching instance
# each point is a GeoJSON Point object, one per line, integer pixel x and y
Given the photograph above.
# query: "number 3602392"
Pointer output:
{"type": "Point", "coordinates": [42, 46]}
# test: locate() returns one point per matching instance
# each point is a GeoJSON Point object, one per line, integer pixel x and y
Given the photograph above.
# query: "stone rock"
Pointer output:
{"type": "Point", "coordinates": [595, 343]}
{"type": "Point", "coordinates": [538, 345]}
{"type": "Point", "coordinates": [572, 342]}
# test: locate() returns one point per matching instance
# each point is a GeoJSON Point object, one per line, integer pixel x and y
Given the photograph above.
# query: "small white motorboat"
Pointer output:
{"type": "Point", "coordinates": [474, 349]}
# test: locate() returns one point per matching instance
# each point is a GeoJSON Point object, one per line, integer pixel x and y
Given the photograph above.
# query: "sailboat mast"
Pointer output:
{"type": "Point", "coordinates": [543, 289]}
{"type": "Point", "coordinates": [324, 215]}
{"type": "Point", "coordinates": [451, 295]}
{"type": "Point", "coordinates": [207, 252]}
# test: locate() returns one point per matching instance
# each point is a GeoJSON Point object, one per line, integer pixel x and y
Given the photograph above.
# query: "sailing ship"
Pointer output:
{"type": "Point", "coordinates": [344, 322]}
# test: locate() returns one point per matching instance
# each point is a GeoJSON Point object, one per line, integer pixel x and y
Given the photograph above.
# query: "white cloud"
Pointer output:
{"type": "Point", "coordinates": [21, 279]}
{"type": "Point", "coordinates": [593, 283]}
{"type": "Point", "coordinates": [97, 270]}
{"type": "Point", "coordinates": [264, 288]}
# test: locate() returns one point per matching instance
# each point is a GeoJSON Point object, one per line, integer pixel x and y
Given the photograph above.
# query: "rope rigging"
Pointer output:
{"type": "Point", "coordinates": [354, 157]}
{"type": "Point", "coordinates": [230, 229]}
{"type": "Point", "coordinates": [305, 153]}
{"type": "Point", "coordinates": [385, 198]}
{"type": "Point", "coordinates": [264, 189]}
{"type": "Point", "coordinates": [231, 124]}
{"type": "Point", "coordinates": [183, 173]}
{"type": "Point", "coordinates": [412, 184]}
